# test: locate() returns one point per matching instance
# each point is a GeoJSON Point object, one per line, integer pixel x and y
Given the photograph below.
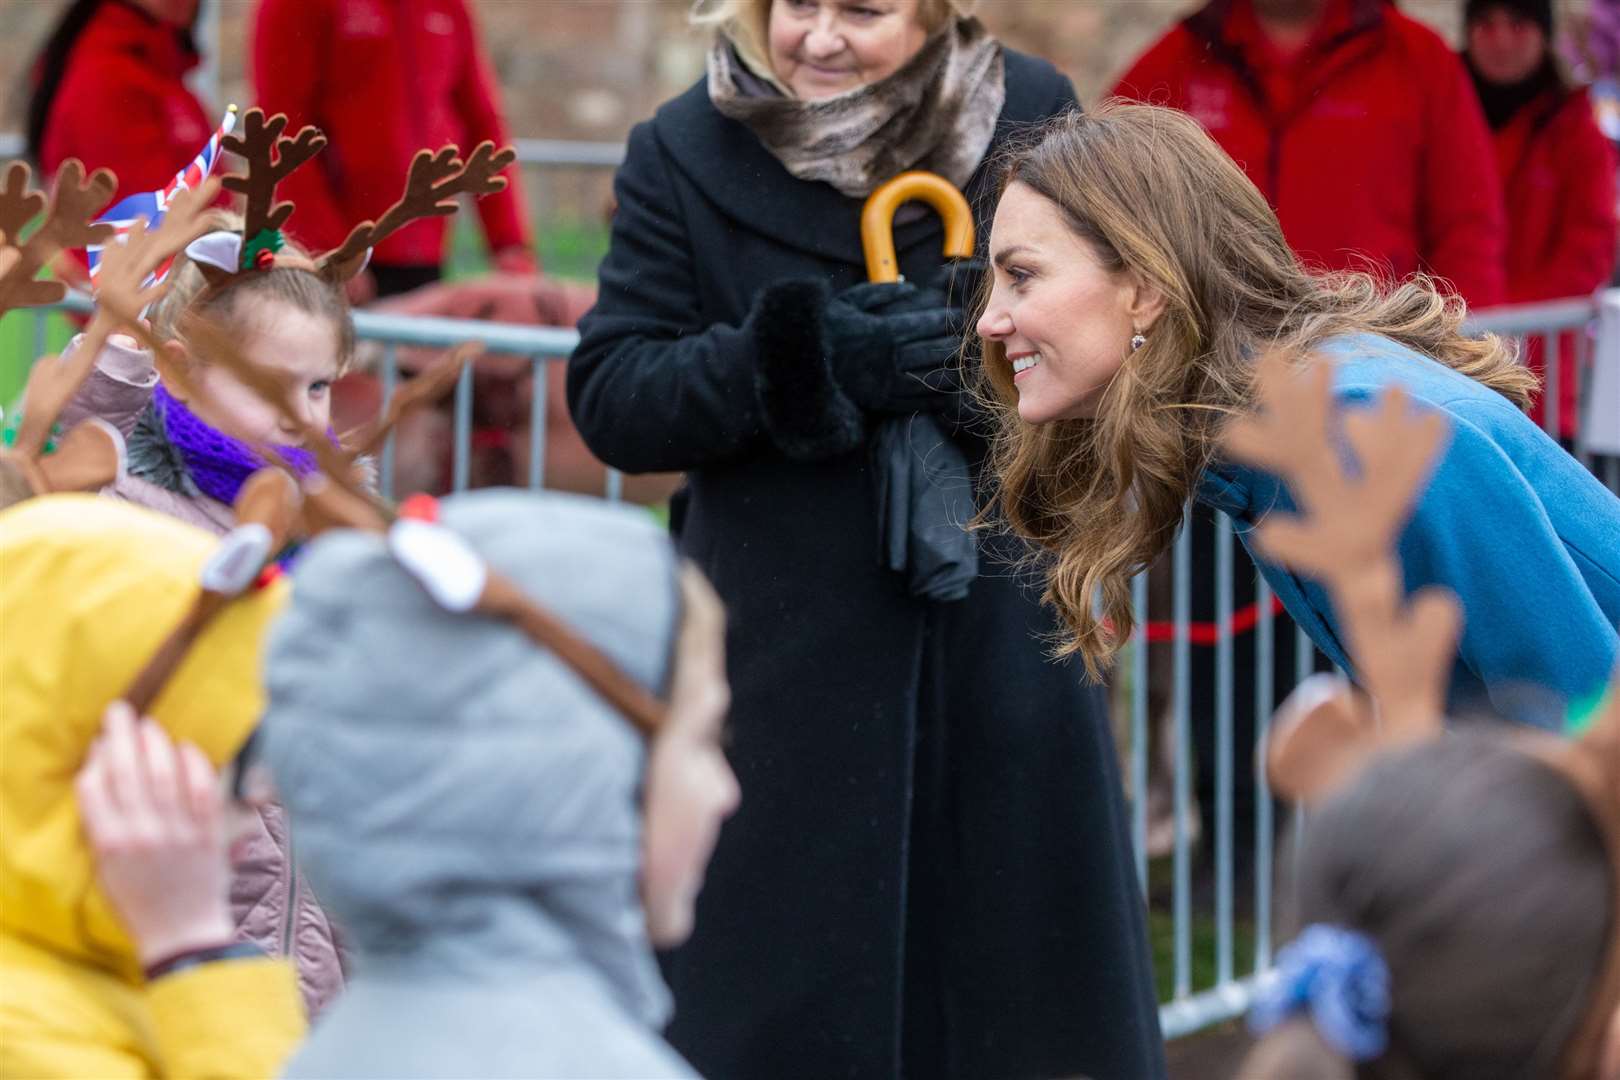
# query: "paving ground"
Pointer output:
{"type": "Point", "coordinates": [1209, 1055]}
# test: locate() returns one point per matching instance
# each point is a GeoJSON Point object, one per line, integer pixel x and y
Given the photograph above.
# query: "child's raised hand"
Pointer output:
{"type": "Point", "coordinates": [153, 815]}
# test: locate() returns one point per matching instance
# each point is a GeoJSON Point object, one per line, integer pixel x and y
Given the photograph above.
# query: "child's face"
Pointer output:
{"type": "Point", "coordinates": [300, 348]}
{"type": "Point", "coordinates": [690, 789]}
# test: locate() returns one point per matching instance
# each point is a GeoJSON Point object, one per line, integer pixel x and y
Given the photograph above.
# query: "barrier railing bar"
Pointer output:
{"type": "Point", "coordinates": [613, 485]}
{"type": "Point", "coordinates": [537, 425]}
{"type": "Point", "coordinates": [1585, 356]}
{"type": "Point", "coordinates": [1304, 664]}
{"type": "Point", "coordinates": [1223, 749]}
{"type": "Point", "coordinates": [1264, 827]}
{"type": "Point", "coordinates": [1182, 769]}
{"type": "Point", "coordinates": [569, 152]}
{"type": "Point", "coordinates": [1194, 1012]}
{"type": "Point", "coordinates": [512, 339]}
{"type": "Point", "coordinates": [461, 455]}
{"type": "Point", "coordinates": [1515, 319]}
{"type": "Point", "coordinates": [1551, 401]}
{"type": "Point", "coordinates": [1139, 729]}
{"type": "Point", "coordinates": [390, 380]}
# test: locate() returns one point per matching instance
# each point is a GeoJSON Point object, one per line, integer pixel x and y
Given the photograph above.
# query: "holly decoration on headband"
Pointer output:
{"type": "Point", "coordinates": [259, 253]}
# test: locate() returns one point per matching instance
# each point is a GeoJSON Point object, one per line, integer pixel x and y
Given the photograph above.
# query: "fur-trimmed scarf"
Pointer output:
{"type": "Point", "coordinates": [938, 112]}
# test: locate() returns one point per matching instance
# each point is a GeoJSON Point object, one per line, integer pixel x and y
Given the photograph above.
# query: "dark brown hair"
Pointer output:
{"type": "Point", "coordinates": [1481, 875]}
{"type": "Point", "coordinates": [1153, 195]}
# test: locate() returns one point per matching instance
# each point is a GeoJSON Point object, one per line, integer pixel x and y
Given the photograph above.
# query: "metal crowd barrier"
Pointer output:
{"type": "Point", "coordinates": [1190, 1007]}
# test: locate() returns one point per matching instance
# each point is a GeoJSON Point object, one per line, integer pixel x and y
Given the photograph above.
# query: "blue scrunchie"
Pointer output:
{"type": "Point", "coordinates": [1336, 976]}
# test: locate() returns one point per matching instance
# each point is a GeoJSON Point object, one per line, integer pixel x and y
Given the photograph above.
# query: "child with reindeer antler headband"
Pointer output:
{"type": "Point", "coordinates": [239, 293]}
{"type": "Point", "coordinates": [194, 431]}
{"type": "Point", "coordinates": [132, 657]}
{"type": "Point", "coordinates": [1458, 890]}
{"type": "Point", "coordinates": [510, 794]}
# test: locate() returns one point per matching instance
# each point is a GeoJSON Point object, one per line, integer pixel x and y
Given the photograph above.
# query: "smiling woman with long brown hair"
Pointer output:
{"type": "Point", "coordinates": [1138, 274]}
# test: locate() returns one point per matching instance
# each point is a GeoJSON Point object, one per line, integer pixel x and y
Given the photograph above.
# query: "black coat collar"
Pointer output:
{"type": "Point", "coordinates": [728, 163]}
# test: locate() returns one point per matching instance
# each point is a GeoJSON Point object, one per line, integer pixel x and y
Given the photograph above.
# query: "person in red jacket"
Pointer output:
{"type": "Point", "coordinates": [1357, 123]}
{"type": "Point", "coordinates": [382, 79]}
{"type": "Point", "coordinates": [109, 89]}
{"type": "Point", "coordinates": [1557, 170]}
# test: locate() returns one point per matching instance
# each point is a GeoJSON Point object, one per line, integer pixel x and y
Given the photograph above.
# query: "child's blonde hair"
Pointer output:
{"type": "Point", "coordinates": [188, 291]}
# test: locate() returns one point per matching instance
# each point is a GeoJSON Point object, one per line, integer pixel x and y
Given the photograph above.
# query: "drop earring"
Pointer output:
{"type": "Point", "coordinates": [1137, 341]}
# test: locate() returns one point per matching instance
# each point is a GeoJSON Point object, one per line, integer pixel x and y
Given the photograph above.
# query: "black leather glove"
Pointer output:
{"type": "Point", "coordinates": [894, 347]}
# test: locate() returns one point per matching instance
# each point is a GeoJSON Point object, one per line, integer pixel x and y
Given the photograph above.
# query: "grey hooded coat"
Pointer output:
{"type": "Point", "coordinates": [467, 808]}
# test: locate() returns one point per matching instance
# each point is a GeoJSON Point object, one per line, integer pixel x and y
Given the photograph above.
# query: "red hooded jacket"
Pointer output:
{"type": "Point", "coordinates": [1557, 171]}
{"type": "Point", "coordinates": [1369, 143]}
{"type": "Point", "coordinates": [123, 103]}
{"type": "Point", "coordinates": [383, 79]}
{"type": "Point", "coordinates": [1559, 175]}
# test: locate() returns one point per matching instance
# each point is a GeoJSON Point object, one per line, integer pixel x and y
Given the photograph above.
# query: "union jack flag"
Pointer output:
{"type": "Point", "coordinates": [152, 205]}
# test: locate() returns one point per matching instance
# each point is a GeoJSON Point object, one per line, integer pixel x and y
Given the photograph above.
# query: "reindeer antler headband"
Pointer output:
{"type": "Point", "coordinates": [432, 185]}
{"type": "Point", "coordinates": [69, 223]}
{"type": "Point", "coordinates": [92, 454]}
{"type": "Point", "coordinates": [1346, 536]}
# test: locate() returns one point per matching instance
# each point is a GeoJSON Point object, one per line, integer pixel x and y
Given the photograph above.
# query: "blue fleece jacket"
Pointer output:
{"type": "Point", "coordinates": [1524, 535]}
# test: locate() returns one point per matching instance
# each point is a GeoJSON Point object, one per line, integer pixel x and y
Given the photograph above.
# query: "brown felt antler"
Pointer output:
{"type": "Point", "coordinates": [425, 389]}
{"type": "Point", "coordinates": [121, 286]}
{"type": "Point", "coordinates": [431, 187]}
{"type": "Point", "coordinates": [270, 158]}
{"type": "Point", "coordinates": [19, 204]}
{"type": "Point", "coordinates": [1346, 536]}
{"type": "Point", "coordinates": [69, 223]}
{"type": "Point", "coordinates": [266, 510]}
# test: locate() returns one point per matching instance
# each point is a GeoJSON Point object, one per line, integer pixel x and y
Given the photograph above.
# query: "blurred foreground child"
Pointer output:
{"type": "Point", "coordinates": [503, 842]}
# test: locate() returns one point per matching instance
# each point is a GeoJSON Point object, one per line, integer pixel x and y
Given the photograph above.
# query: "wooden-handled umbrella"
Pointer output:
{"type": "Point", "coordinates": [877, 220]}
{"type": "Point", "coordinates": [922, 480]}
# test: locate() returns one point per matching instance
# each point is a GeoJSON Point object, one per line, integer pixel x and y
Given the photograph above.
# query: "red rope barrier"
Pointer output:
{"type": "Point", "coordinates": [1209, 633]}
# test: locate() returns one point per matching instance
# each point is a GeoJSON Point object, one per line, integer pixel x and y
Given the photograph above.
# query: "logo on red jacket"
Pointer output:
{"type": "Point", "coordinates": [1210, 103]}
{"type": "Point", "coordinates": [363, 19]}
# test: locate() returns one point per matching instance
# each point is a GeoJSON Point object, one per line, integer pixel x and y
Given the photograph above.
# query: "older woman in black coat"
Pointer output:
{"type": "Point", "coordinates": [930, 875]}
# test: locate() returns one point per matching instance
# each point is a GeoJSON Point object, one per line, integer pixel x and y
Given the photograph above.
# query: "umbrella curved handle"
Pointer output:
{"type": "Point", "coordinates": [877, 220]}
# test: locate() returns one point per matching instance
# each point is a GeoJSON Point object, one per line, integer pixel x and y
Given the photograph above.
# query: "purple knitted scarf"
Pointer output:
{"type": "Point", "coordinates": [217, 463]}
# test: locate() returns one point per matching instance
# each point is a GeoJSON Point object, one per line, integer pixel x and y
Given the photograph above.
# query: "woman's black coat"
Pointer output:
{"type": "Point", "coordinates": [930, 872]}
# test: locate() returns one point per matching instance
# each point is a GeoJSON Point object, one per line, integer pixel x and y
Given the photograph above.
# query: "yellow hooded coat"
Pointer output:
{"type": "Point", "coordinates": [89, 587]}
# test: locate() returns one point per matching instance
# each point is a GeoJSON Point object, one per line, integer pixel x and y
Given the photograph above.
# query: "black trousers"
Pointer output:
{"type": "Point", "coordinates": [393, 280]}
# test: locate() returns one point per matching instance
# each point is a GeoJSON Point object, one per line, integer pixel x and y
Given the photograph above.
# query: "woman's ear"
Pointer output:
{"type": "Point", "coordinates": [173, 365]}
{"type": "Point", "coordinates": [1145, 302]}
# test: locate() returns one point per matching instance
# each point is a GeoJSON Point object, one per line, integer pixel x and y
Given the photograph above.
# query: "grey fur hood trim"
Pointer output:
{"type": "Point", "coordinates": [153, 458]}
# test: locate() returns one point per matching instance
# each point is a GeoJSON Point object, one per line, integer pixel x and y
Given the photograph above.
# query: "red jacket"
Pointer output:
{"type": "Point", "coordinates": [383, 79]}
{"type": "Point", "coordinates": [1370, 143]}
{"type": "Point", "coordinates": [1557, 170]}
{"type": "Point", "coordinates": [123, 102]}
{"type": "Point", "coordinates": [1559, 175]}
